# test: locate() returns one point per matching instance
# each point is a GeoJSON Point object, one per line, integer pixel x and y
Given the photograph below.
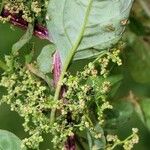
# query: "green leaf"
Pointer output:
{"type": "Point", "coordinates": [39, 74]}
{"type": "Point", "coordinates": [144, 114]}
{"type": "Point", "coordinates": [122, 111]}
{"type": "Point", "coordinates": [115, 81]}
{"type": "Point", "coordinates": [138, 59]}
{"type": "Point", "coordinates": [44, 60]}
{"type": "Point", "coordinates": [85, 27]}
{"type": "Point", "coordinates": [9, 141]}
{"type": "Point", "coordinates": [23, 40]}
{"type": "Point", "coordinates": [90, 142]}
{"type": "Point", "coordinates": [136, 26]}
{"type": "Point", "coordinates": [96, 144]}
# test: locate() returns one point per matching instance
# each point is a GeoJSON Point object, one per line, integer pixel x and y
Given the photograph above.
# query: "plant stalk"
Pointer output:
{"type": "Point", "coordinates": [39, 30]}
{"type": "Point", "coordinates": [70, 143]}
{"type": "Point", "coordinates": [68, 60]}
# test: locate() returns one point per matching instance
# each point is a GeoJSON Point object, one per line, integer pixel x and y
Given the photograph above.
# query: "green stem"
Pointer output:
{"type": "Point", "coordinates": [69, 57]}
{"type": "Point", "coordinates": [3, 65]}
{"type": "Point", "coordinates": [103, 53]}
{"type": "Point", "coordinates": [121, 142]}
{"type": "Point", "coordinates": [87, 117]}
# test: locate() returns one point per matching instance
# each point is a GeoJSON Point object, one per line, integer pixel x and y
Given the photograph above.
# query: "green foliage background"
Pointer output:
{"type": "Point", "coordinates": [136, 71]}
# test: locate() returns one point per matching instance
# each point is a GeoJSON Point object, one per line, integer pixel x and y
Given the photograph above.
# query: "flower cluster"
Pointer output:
{"type": "Point", "coordinates": [28, 10]}
{"type": "Point", "coordinates": [84, 103]}
{"type": "Point", "coordinates": [127, 144]}
{"type": "Point", "coordinates": [113, 55]}
{"type": "Point", "coordinates": [27, 96]}
{"type": "Point", "coordinates": [4, 20]}
{"type": "Point", "coordinates": [81, 109]}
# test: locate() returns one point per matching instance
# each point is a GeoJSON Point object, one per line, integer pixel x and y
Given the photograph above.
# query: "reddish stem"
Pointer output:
{"type": "Point", "coordinates": [16, 19]}
{"type": "Point", "coordinates": [70, 143]}
{"type": "Point", "coordinates": [56, 67]}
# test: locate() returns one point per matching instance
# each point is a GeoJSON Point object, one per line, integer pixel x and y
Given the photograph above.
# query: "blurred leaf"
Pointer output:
{"type": "Point", "coordinates": [96, 144]}
{"type": "Point", "coordinates": [141, 107]}
{"type": "Point", "coordinates": [124, 109]}
{"type": "Point", "coordinates": [1, 5]}
{"type": "Point", "coordinates": [145, 115]}
{"type": "Point", "coordinates": [23, 40]}
{"type": "Point", "coordinates": [115, 81]}
{"type": "Point", "coordinates": [138, 60]}
{"type": "Point", "coordinates": [9, 141]}
{"type": "Point", "coordinates": [136, 26]}
{"type": "Point", "coordinates": [120, 114]}
{"type": "Point", "coordinates": [45, 60]}
{"type": "Point", "coordinates": [146, 7]}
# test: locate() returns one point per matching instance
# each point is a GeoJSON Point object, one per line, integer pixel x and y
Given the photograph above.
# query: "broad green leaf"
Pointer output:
{"type": "Point", "coordinates": [122, 111]}
{"type": "Point", "coordinates": [85, 27]}
{"type": "Point", "coordinates": [138, 59]}
{"type": "Point", "coordinates": [114, 79]}
{"type": "Point", "coordinates": [90, 142]}
{"type": "Point", "coordinates": [23, 40]}
{"type": "Point", "coordinates": [9, 141]}
{"type": "Point", "coordinates": [44, 60]}
{"type": "Point", "coordinates": [144, 114]}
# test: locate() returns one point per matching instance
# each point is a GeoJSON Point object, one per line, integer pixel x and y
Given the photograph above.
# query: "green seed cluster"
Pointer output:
{"type": "Point", "coordinates": [28, 10]}
{"type": "Point", "coordinates": [112, 56]}
{"type": "Point", "coordinates": [81, 108]}
{"type": "Point", "coordinates": [27, 96]}
{"type": "Point", "coordinates": [83, 104]}
{"type": "Point", "coordinates": [4, 20]}
{"type": "Point", "coordinates": [127, 144]}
